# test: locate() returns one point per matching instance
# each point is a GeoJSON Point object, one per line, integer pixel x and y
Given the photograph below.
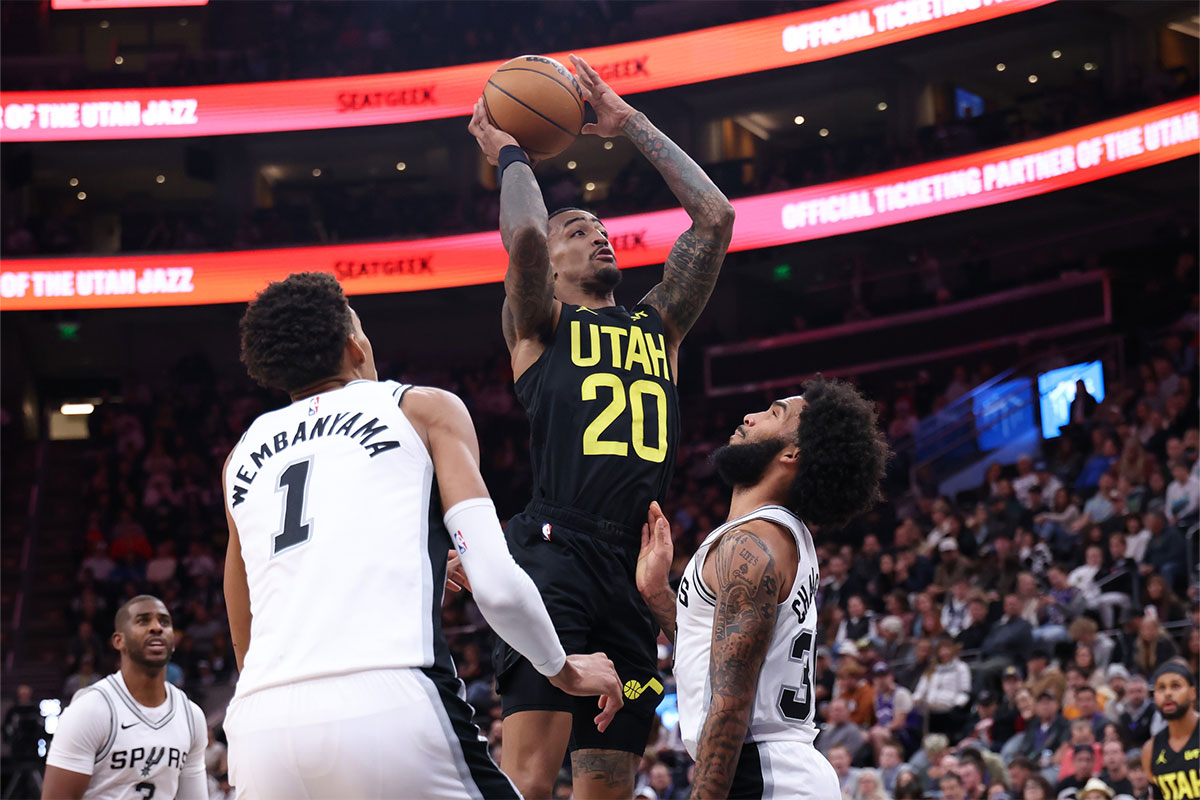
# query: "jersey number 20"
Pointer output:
{"type": "Point", "coordinates": [796, 702]}
{"type": "Point", "coordinates": [593, 445]}
{"type": "Point", "coordinates": [293, 482]}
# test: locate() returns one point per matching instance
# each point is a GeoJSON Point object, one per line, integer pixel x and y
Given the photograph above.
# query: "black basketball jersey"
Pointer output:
{"type": "Point", "coordinates": [1176, 772]}
{"type": "Point", "coordinates": [603, 413]}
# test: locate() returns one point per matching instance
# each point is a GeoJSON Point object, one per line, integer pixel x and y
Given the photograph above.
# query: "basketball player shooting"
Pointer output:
{"type": "Point", "coordinates": [340, 508]}
{"type": "Point", "coordinates": [132, 734]}
{"type": "Point", "coordinates": [598, 384]}
{"type": "Point", "coordinates": [744, 620]}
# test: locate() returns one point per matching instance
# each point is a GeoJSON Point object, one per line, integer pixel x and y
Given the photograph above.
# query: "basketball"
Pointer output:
{"type": "Point", "coordinates": [538, 102]}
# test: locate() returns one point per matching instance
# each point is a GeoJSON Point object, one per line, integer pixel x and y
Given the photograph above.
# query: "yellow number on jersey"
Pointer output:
{"type": "Point", "coordinates": [593, 445]}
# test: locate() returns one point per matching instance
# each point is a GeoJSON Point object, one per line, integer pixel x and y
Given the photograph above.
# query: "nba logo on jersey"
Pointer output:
{"type": "Point", "coordinates": [313, 405]}
{"type": "Point", "coordinates": [546, 531]}
{"type": "Point", "coordinates": [460, 542]}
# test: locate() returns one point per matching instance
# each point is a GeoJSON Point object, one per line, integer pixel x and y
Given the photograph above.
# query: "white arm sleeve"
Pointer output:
{"type": "Point", "coordinates": [504, 592]}
{"type": "Point", "coordinates": [83, 731]}
{"type": "Point", "coordinates": [193, 782]}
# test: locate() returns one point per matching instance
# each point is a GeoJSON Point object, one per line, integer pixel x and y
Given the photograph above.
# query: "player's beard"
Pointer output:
{"type": "Point", "coordinates": [743, 464]}
{"type": "Point", "coordinates": [1181, 710]}
{"type": "Point", "coordinates": [137, 653]}
{"type": "Point", "coordinates": [603, 280]}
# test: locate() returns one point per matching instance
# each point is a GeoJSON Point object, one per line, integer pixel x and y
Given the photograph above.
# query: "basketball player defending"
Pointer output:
{"type": "Point", "coordinates": [1172, 757]}
{"type": "Point", "coordinates": [744, 620]}
{"type": "Point", "coordinates": [132, 735]}
{"type": "Point", "coordinates": [336, 570]}
{"type": "Point", "coordinates": [598, 383]}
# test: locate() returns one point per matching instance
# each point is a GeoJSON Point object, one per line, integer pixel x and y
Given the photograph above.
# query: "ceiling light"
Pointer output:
{"type": "Point", "coordinates": [1032, 79]}
{"type": "Point", "coordinates": [119, 60]}
{"type": "Point", "coordinates": [401, 166]}
{"type": "Point", "coordinates": [317, 172]}
{"type": "Point", "coordinates": [183, 22]}
{"type": "Point", "coordinates": [823, 132]}
{"type": "Point", "coordinates": [1089, 66]}
{"type": "Point", "coordinates": [1000, 67]}
{"type": "Point", "coordinates": [881, 106]}
{"type": "Point", "coordinates": [799, 120]}
{"type": "Point", "coordinates": [74, 181]}
{"type": "Point", "coordinates": [1056, 53]}
{"type": "Point", "coordinates": [571, 165]}
{"type": "Point", "coordinates": [608, 145]}
{"type": "Point", "coordinates": [160, 178]}
{"type": "Point", "coordinates": [76, 409]}
{"type": "Point", "coordinates": [81, 196]}
{"type": "Point", "coordinates": [103, 23]}
{"type": "Point", "coordinates": [591, 187]}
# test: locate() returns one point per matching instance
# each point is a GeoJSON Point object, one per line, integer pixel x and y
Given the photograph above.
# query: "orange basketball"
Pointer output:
{"type": "Point", "coordinates": [537, 101]}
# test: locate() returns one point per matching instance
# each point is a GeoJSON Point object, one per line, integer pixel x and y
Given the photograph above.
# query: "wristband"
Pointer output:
{"type": "Point", "coordinates": [511, 154]}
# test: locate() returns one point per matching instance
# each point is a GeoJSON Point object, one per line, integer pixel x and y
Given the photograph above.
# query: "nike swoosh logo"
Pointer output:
{"type": "Point", "coordinates": [130, 725]}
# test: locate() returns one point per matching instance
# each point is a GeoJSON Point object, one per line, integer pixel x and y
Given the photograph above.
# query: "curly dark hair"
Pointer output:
{"type": "Point", "coordinates": [842, 454]}
{"type": "Point", "coordinates": [294, 332]}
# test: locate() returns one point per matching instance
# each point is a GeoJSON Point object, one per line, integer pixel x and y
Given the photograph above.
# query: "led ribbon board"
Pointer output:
{"type": "Point", "coordinates": [677, 60]}
{"type": "Point", "coordinates": [1079, 156]}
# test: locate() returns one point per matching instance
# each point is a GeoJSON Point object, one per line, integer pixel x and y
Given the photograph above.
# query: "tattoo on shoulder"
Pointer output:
{"type": "Point", "coordinates": [747, 581]}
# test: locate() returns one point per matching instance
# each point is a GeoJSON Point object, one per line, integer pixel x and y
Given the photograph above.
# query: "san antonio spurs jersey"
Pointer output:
{"type": "Point", "coordinates": [132, 752]}
{"type": "Point", "coordinates": [783, 706]}
{"type": "Point", "coordinates": [340, 526]}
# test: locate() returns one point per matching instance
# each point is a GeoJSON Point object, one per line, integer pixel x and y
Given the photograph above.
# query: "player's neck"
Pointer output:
{"type": "Point", "coordinates": [148, 685]}
{"type": "Point", "coordinates": [747, 499]}
{"type": "Point", "coordinates": [579, 296]}
{"type": "Point", "coordinates": [324, 385]}
{"type": "Point", "coordinates": [1184, 727]}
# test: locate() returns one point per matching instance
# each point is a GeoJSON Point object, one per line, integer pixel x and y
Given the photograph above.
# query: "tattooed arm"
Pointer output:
{"type": "Point", "coordinates": [694, 262]}
{"type": "Point", "coordinates": [747, 581]}
{"type": "Point", "coordinates": [528, 313]}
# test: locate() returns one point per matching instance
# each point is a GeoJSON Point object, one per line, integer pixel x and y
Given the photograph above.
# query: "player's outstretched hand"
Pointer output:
{"type": "Point", "coordinates": [589, 675]}
{"type": "Point", "coordinates": [611, 111]}
{"type": "Point", "coordinates": [490, 138]}
{"type": "Point", "coordinates": [456, 576]}
{"type": "Point", "coordinates": [656, 554]}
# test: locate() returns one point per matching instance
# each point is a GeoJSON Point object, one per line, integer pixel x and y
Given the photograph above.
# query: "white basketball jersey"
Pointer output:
{"type": "Point", "coordinates": [132, 752]}
{"type": "Point", "coordinates": [340, 526]}
{"type": "Point", "coordinates": [783, 704]}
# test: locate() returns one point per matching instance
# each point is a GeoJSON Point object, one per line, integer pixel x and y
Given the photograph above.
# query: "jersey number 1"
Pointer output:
{"type": "Point", "coordinates": [796, 703]}
{"type": "Point", "coordinates": [293, 482]}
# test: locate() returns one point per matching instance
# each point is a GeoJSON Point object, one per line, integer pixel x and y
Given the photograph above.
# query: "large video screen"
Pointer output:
{"type": "Point", "coordinates": [1004, 413]}
{"type": "Point", "coordinates": [1056, 390]}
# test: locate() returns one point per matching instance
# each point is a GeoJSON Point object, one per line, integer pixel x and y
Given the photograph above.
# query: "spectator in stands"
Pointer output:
{"type": "Point", "coordinates": [1099, 507]}
{"type": "Point", "coordinates": [84, 644]}
{"type": "Point", "coordinates": [1048, 730]}
{"type": "Point", "coordinates": [1166, 605]}
{"type": "Point", "coordinates": [951, 787]}
{"type": "Point", "coordinates": [971, 639]}
{"type": "Point", "coordinates": [857, 694]}
{"type": "Point", "coordinates": [869, 785]}
{"type": "Point", "coordinates": [1085, 632]}
{"type": "Point", "coordinates": [1008, 642]}
{"type": "Point", "coordinates": [1057, 607]}
{"type": "Point", "coordinates": [1137, 710]}
{"type": "Point", "coordinates": [1096, 467]}
{"type": "Point", "coordinates": [1118, 582]}
{"type": "Point", "coordinates": [1116, 768]}
{"type": "Point", "coordinates": [840, 585]}
{"type": "Point", "coordinates": [84, 676]}
{"type": "Point", "coordinates": [840, 757]}
{"type": "Point", "coordinates": [891, 761]}
{"type": "Point", "coordinates": [1166, 551]}
{"type": "Point", "coordinates": [1036, 787]}
{"type": "Point", "coordinates": [1138, 777]}
{"type": "Point", "coordinates": [1183, 495]}
{"type": "Point", "coordinates": [954, 611]}
{"type": "Point", "coordinates": [1088, 709]}
{"type": "Point", "coordinates": [1081, 769]}
{"type": "Point", "coordinates": [97, 564]}
{"type": "Point", "coordinates": [129, 539]}
{"type": "Point", "coordinates": [857, 624]}
{"type": "Point", "coordinates": [1112, 693]}
{"type": "Point", "coordinates": [161, 568]}
{"type": "Point", "coordinates": [1151, 648]}
{"type": "Point", "coordinates": [892, 707]}
{"type": "Point", "coordinates": [839, 731]}
{"type": "Point", "coordinates": [944, 691]}
{"type": "Point", "coordinates": [951, 567]}
{"type": "Point", "coordinates": [892, 647]}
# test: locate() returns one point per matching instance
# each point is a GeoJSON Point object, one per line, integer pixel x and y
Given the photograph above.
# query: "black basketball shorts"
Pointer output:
{"type": "Point", "coordinates": [584, 569]}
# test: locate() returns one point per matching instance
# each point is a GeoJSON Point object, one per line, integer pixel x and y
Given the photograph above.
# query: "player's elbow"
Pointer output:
{"type": "Point", "coordinates": [717, 222]}
{"type": "Point", "coordinates": [526, 235]}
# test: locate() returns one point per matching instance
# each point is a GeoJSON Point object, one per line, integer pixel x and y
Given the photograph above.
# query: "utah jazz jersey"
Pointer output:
{"type": "Point", "coordinates": [603, 413]}
{"type": "Point", "coordinates": [784, 702]}
{"type": "Point", "coordinates": [1176, 772]}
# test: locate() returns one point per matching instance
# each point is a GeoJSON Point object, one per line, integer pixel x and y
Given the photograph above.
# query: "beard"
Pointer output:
{"type": "Point", "coordinates": [137, 654]}
{"type": "Point", "coordinates": [744, 464]}
{"type": "Point", "coordinates": [1181, 710]}
{"type": "Point", "coordinates": [603, 280]}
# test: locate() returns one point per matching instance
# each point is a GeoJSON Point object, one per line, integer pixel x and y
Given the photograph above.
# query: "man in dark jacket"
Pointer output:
{"type": "Point", "coordinates": [1047, 730]}
{"type": "Point", "coordinates": [1139, 710]}
{"type": "Point", "coordinates": [1007, 713]}
{"type": "Point", "coordinates": [1009, 642]}
{"type": "Point", "coordinates": [970, 640]}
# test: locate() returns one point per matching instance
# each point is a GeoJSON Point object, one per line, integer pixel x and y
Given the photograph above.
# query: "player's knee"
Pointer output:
{"type": "Point", "coordinates": [532, 783]}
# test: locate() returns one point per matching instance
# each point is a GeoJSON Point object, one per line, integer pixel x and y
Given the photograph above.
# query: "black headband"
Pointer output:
{"type": "Point", "coordinates": [1176, 668]}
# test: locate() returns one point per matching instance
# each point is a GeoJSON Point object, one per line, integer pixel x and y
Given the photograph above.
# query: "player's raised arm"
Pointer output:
{"type": "Point", "coordinates": [747, 584]}
{"type": "Point", "coordinates": [506, 596]}
{"type": "Point", "coordinates": [653, 570]}
{"type": "Point", "coordinates": [695, 260]}
{"type": "Point", "coordinates": [528, 313]}
{"type": "Point", "coordinates": [236, 587]}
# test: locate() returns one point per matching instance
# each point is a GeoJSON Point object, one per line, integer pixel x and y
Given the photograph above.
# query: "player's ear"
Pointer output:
{"type": "Point", "coordinates": [354, 349]}
{"type": "Point", "coordinates": [790, 455]}
{"type": "Point", "coordinates": [117, 640]}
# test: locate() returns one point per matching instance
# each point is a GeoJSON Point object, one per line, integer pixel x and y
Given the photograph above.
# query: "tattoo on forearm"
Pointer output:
{"type": "Point", "coordinates": [694, 263]}
{"type": "Point", "coordinates": [528, 284]}
{"type": "Point", "coordinates": [747, 607]}
{"type": "Point", "coordinates": [662, 606]}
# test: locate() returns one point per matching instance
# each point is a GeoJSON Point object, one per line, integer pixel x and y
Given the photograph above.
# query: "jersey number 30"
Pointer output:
{"type": "Point", "coordinates": [593, 445]}
{"type": "Point", "coordinates": [293, 482]}
{"type": "Point", "coordinates": [796, 702]}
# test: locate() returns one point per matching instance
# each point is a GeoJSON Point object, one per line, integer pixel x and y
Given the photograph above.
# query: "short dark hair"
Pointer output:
{"type": "Point", "coordinates": [121, 618]}
{"type": "Point", "coordinates": [951, 776]}
{"type": "Point", "coordinates": [1084, 688]}
{"type": "Point", "coordinates": [565, 209]}
{"type": "Point", "coordinates": [294, 332]}
{"type": "Point", "coordinates": [1024, 762]}
{"type": "Point", "coordinates": [842, 454]}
